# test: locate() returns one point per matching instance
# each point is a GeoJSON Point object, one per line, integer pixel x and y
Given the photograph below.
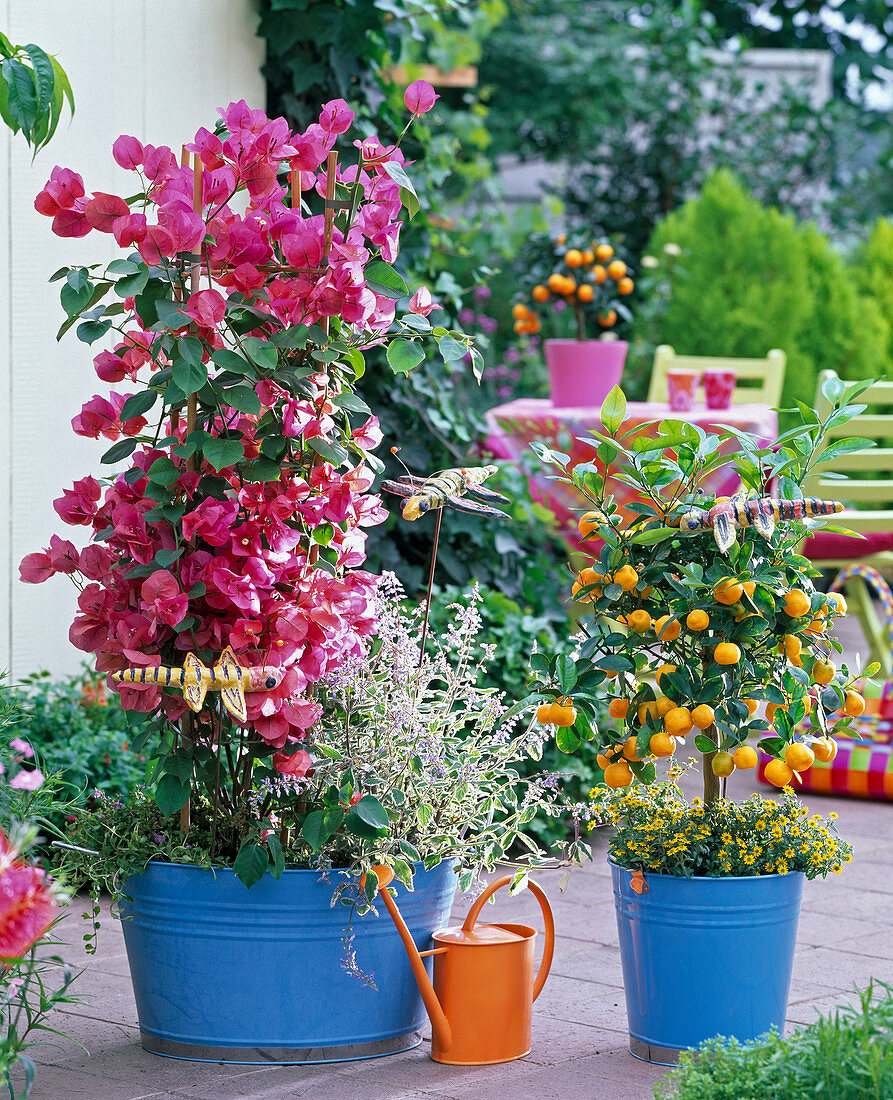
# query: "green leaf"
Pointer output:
{"type": "Point", "coordinates": [223, 453]}
{"type": "Point", "coordinates": [163, 471]}
{"type": "Point", "coordinates": [189, 377]}
{"type": "Point", "coordinates": [653, 536]}
{"type": "Point", "coordinates": [191, 349]}
{"type": "Point", "coordinates": [75, 299]}
{"type": "Point", "coordinates": [352, 402]}
{"type": "Point", "coordinates": [171, 794]}
{"type": "Point", "coordinates": [138, 403]}
{"type": "Point", "coordinates": [384, 280]}
{"type": "Point", "coordinates": [368, 819]}
{"type": "Point", "coordinates": [262, 353]}
{"type": "Point", "coordinates": [121, 449]}
{"type": "Point", "coordinates": [408, 195]}
{"type": "Point", "coordinates": [295, 337]}
{"type": "Point", "coordinates": [88, 332]}
{"type": "Point", "coordinates": [166, 558]}
{"type": "Point", "coordinates": [132, 285]}
{"type": "Point", "coordinates": [704, 743]}
{"type": "Point", "coordinates": [242, 398]}
{"type": "Point", "coordinates": [124, 267]}
{"type": "Point", "coordinates": [331, 452]}
{"type": "Point", "coordinates": [21, 95]}
{"type": "Point", "coordinates": [404, 356]}
{"type": "Point", "coordinates": [314, 830]}
{"type": "Point", "coordinates": [451, 349]}
{"type": "Point", "coordinates": [565, 673]}
{"type": "Point", "coordinates": [613, 411]}
{"type": "Point", "coordinates": [262, 469]}
{"type": "Point", "coordinates": [228, 360]}
{"type": "Point", "coordinates": [566, 740]}
{"type": "Point", "coordinates": [251, 863]}
{"type": "Point", "coordinates": [274, 847]}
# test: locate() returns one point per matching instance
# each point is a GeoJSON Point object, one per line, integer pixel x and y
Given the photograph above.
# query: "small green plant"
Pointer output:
{"type": "Point", "coordinates": [33, 90]}
{"type": "Point", "coordinates": [847, 1055]}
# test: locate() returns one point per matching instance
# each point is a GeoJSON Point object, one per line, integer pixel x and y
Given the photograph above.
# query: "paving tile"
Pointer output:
{"type": "Point", "coordinates": [841, 969]}
{"type": "Point", "coordinates": [62, 1083]}
{"type": "Point", "coordinates": [876, 944]}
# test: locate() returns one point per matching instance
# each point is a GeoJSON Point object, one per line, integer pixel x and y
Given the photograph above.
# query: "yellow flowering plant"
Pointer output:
{"type": "Point", "coordinates": [657, 830]}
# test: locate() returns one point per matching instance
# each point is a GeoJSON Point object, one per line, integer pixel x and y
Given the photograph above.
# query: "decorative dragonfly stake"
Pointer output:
{"type": "Point", "coordinates": [228, 677]}
{"type": "Point", "coordinates": [447, 489]}
{"type": "Point", "coordinates": [760, 514]}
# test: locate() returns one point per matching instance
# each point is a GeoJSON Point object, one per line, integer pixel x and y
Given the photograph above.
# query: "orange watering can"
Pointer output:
{"type": "Point", "coordinates": [481, 1002]}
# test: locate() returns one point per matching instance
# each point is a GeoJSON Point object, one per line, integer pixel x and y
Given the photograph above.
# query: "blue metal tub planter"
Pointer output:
{"type": "Point", "coordinates": [223, 973]}
{"type": "Point", "coordinates": [704, 957]}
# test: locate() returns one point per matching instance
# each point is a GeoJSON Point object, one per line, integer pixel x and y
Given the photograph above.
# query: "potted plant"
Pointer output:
{"type": "Point", "coordinates": [703, 624]}
{"type": "Point", "coordinates": [581, 290]}
{"type": "Point", "coordinates": [223, 587]}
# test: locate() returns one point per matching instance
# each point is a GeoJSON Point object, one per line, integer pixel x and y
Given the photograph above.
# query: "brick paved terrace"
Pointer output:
{"type": "Point", "coordinates": [579, 1027]}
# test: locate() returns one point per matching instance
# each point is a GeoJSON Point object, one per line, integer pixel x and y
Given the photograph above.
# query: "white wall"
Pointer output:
{"type": "Point", "coordinates": [157, 69]}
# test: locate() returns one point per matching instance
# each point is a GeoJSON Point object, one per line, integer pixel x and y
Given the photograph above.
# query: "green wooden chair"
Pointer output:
{"type": "Point", "coordinates": [758, 380]}
{"type": "Point", "coordinates": [873, 514]}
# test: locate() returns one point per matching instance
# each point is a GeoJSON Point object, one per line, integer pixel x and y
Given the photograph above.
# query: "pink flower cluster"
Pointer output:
{"type": "Point", "coordinates": [247, 556]}
{"type": "Point", "coordinates": [27, 908]}
{"type": "Point", "coordinates": [234, 564]}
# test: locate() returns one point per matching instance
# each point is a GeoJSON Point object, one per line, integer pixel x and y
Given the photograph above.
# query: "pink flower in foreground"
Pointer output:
{"type": "Point", "coordinates": [22, 746]}
{"type": "Point", "coordinates": [27, 781]}
{"type": "Point", "coordinates": [420, 97]}
{"type": "Point", "coordinates": [293, 765]}
{"type": "Point", "coordinates": [336, 117]}
{"type": "Point", "coordinates": [27, 908]}
{"type": "Point", "coordinates": [421, 302]}
{"type": "Point", "coordinates": [162, 598]}
{"type": "Point", "coordinates": [128, 152]}
{"type": "Point", "coordinates": [207, 307]}
{"type": "Point", "coordinates": [369, 435]}
{"type": "Point", "coordinates": [102, 211]}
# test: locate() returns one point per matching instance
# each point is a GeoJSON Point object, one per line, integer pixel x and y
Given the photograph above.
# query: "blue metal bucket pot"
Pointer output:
{"type": "Point", "coordinates": [704, 957]}
{"type": "Point", "coordinates": [222, 973]}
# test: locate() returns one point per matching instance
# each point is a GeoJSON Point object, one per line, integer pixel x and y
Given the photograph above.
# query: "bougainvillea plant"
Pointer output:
{"type": "Point", "coordinates": [258, 270]}
{"type": "Point", "coordinates": [687, 632]}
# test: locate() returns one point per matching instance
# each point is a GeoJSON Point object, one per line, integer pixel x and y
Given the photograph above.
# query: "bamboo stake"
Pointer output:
{"type": "Point", "coordinates": [430, 584]}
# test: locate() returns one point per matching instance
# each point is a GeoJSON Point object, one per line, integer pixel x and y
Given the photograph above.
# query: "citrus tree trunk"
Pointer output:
{"type": "Point", "coordinates": [711, 781]}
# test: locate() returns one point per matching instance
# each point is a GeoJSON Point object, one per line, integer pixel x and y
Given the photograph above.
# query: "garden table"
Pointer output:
{"type": "Point", "coordinates": [513, 426]}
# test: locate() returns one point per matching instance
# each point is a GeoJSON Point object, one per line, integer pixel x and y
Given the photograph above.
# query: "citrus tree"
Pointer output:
{"type": "Point", "coordinates": [687, 639]}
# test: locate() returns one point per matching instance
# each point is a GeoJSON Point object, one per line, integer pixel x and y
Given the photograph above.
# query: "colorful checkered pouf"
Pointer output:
{"type": "Point", "coordinates": [863, 767]}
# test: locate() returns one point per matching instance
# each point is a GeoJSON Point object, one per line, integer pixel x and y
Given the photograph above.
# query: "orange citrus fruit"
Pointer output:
{"type": "Point", "coordinates": [645, 710]}
{"type": "Point", "coordinates": [663, 706]}
{"type": "Point", "coordinates": [625, 285]}
{"type": "Point", "coordinates": [823, 671]}
{"type": "Point", "coordinates": [796, 603]}
{"type": "Point", "coordinates": [667, 629]}
{"type": "Point", "coordinates": [702, 716]}
{"type": "Point", "coordinates": [606, 320]}
{"type": "Point", "coordinates": [778, 773]}
{"type": "Point", "coordinates": [745, 757]}
{"type": "Point", "coordinates": [837, 602]}
{"type": "Point", "coordinates": [854, 704]}
{"type": "Point", "coordinates": [618, 774]}
{"type": "Point", "coordinates": [661, 744]}
{"type": "Point", "coordinates": [638, 621]}
{"type": "Point", "coordinates": [662, 670]}
{"type": "Point", "coordinates": [678, 721]}
{"type": "Point", "coordinates": [793, 647]}
{"type": "Point", "coordinates": [616, 269]}
{"type": "Point", "coordinates": [618, 708]}
{"type": "Point", "coordinates": [540, 293]}
{"type": "Point", "coordinates": [555, 282]}
{"type": "Point", "coordinates": [825, 749]}
{"type": "Point", "coordinates": [727, 591]}
{"type": "Point", "coordinates": [752, 706]}
{"type": "Point", "coordinates": [588, 523]}
{"type": "Point", "coordinates": [727, 653]}
{"type": "Point", "coordinates": [588, 256]}
{"type": "Point", "coordinates": [626, 577]}
{"type": "Point", "coordinates": [722, 764]}
{"type": "Point", "coordinates": [573, 257]}
{"type": "Point", "coordinates": [599, 273]}
{"type": "Point", "coordinates": [629, 749]}
{"type": "Point", "coordinates": [799, 757]}
{"type": "Point", "coordinates": [603, 252]}
{"type": "Point", "coordinates": [697, 620]}
{"type": "Point", "coordinates": [585, 293]}
{"type": "Point", "coordinates": [544, 714]}
{"type": "Point", "coordinates": [749, 587]}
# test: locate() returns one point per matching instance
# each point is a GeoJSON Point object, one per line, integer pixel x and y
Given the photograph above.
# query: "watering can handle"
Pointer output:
{"type": "Point", "coordinates": [549, 920]}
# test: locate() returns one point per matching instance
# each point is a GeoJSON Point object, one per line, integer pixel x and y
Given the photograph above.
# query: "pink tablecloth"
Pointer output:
{"type": "Point", "coordinates": [514, 426]}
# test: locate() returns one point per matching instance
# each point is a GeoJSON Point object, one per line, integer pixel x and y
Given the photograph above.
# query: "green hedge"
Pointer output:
{"type": "Point", "coordinates": [749, 279]}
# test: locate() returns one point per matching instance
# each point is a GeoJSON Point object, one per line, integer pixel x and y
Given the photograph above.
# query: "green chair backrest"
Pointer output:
{"type": "Point", "coordinates": [762, 379]}
{"type": "Point", "coordinates": [872, 495]}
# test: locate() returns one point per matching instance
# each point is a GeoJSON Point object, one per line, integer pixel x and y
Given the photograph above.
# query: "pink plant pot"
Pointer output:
{"type": "Point", "coordinates": [719, 386]}
{"type": "Point", "coordinates": [682, 389]}
{"type": "Point", "coordinates": [583, 372]}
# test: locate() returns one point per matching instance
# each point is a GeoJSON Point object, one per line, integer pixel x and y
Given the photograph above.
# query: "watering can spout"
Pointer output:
{"type": "Point", "coordinates": [439, 1022]}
